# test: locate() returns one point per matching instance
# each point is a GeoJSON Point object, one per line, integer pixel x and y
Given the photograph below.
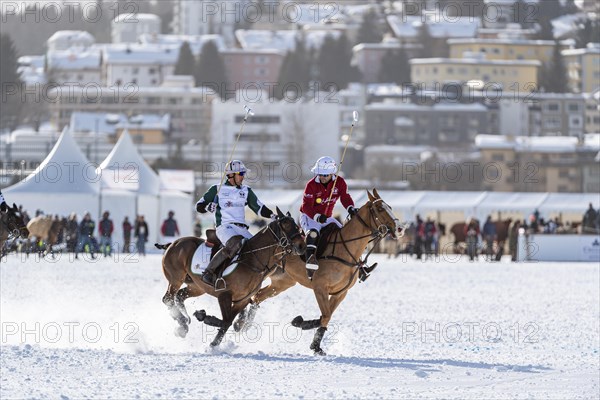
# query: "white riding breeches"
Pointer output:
{"type": "Point", "coordinates": [307, 223]}
{"type": "Point", "coordinates": [227, 231]}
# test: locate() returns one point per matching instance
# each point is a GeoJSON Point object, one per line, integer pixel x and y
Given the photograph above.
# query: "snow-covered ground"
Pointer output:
{"type": "Point", "coordinates": [439, 329]}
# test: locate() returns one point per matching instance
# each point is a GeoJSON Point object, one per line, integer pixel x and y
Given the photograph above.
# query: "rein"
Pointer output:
{"type": "Point", "coordinates": [376, 236]}
{"type": "Point", "coordinates": [281, 241]}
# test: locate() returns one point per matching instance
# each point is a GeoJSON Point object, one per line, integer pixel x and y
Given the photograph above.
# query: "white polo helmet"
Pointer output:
{"type": "Point", "coordinates": [325, 166]}
{"type": "Point", "coordinates": [235, 166]}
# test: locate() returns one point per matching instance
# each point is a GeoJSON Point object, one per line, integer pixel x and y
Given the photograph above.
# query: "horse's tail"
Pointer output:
{"type": "Point", "coordinates": [162, 246]}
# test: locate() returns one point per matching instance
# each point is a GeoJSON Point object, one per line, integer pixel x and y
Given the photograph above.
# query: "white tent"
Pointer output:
{"type": "Point", "coordinates": [568, 205]}
{"type": "Point", "coordinates": [460, 202]}
{"type": "Point", "coordinates": [131, 187]}
{"type": "Point", "coordinates": [65, 182]}
{"type": "Point", "coordinates": [523, 204]}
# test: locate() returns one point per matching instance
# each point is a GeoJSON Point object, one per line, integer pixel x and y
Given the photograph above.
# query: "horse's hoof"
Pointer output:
{"type": "Point", "coordinates": [297, 322]}
{"type": "Point", "coordinates": [200, 315]}
{"type": "Point", "coordinates": [181, 331]}
{"type": "Point", "coordinates": [319, 352]}
{"type": "Point", "coordinates": [238, 325]}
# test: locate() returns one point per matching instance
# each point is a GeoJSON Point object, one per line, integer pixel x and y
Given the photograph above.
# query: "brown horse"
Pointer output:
{"type": "Point", "coordinates": [47, 231]}
{"type": "Point", "coordinates": [339, 266]}
{"type": "Point", "coordinates": [458, 230]}
{"type": "Point", "coordinates": [258, 259]}
{"type": "Point", "coordinates": [11, 223]}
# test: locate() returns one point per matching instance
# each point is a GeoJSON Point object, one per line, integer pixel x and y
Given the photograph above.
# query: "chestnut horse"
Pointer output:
{"type": "Point", "coordinates": [47, 231]}
{"type": "Point", "coordinates": [11, 223]}
{"type": "Point", "coordinates": [339, 267]}
{"type": "Point", "coordinates": [258, 259]}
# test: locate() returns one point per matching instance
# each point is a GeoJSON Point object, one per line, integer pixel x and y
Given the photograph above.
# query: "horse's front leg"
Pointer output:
{"type": "Point", "coordinates": [228, 312]}
{"type": "Point", "coordinates": [322, 296]}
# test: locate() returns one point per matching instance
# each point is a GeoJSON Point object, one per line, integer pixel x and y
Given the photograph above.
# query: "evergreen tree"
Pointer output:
{"type": "Point", "coordinates": [426, 40]}
{"type": "Point", "coordinates": [369, 31]}
{"type": "Point", "coordinates": [570, 7]}
{"type": "Point", "coordinates": [395, 68]}
{"type": "Point", "coordinates": [549, 9]}
{"type": "Point", "coordinates": [334, 63]}
{"type": "Point", "coordinates": [588, 33]}
{"type": "Point", "coordinates": [211, 68]}
{"type": "Point", "coordinates": [295, 71]}
{"type": "Point", "coordinates": [9, 79]}
{"type": "Point", "coordinates": [553, 77]}
{"type": "Point", "coordinates": [186, 63]}
{"type": "Point", "coordinates": [546, 31]}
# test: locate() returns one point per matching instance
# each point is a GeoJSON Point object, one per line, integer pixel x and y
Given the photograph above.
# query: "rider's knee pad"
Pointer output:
{"type": "Point", "coordinates": [234, 245]}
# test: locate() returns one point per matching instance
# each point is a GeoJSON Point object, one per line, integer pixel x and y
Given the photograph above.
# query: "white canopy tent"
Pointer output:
{"type": "Point", "coordinates": [125, 173]}
{"type": "Point", "coordinates": [568, 204]}
{"type": "Point", "coordinates": [522, 204]}
{"type": "Point", "coordinates": [65, 182]}
{"type": "Point", "coordinates": [457, 202]}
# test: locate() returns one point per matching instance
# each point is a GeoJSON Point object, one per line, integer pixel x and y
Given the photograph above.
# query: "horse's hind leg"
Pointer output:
{"type": "Point", "coordinates": [229, 312]}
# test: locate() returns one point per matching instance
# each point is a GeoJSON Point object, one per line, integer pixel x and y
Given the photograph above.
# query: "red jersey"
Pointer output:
{"type": "Point", "coordinates": [316, 196]}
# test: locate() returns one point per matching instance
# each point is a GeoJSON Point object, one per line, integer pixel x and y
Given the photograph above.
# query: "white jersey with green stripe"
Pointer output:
{"type": "Point", "coordinates": [231, 203]}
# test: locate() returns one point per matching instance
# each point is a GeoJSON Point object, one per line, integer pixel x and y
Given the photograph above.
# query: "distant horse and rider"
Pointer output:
{"type": "Point", "coordinates": [47, 231]}
{"type": "Point", "coordinates": [460, 231]}
{"type": "Point", "coordinates": [12, 225]}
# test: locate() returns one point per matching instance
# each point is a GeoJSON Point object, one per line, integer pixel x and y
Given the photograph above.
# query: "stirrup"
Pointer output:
{"type": "Point", "coordinates": [217, 286]}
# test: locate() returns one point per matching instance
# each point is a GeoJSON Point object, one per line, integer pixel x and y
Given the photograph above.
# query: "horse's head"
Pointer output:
{"type": "Point", "coordinates": [14, 223]}
{"type": "Point", "coordinates": [382, 216]}
{"type": "Point", "coordinates": [288, 232]}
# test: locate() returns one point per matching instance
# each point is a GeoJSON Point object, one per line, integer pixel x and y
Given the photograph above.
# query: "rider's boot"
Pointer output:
{"type": "Point", "coordinates": [232, 247]}
{"type": "Point", "coordinates": [209, 276]}
{"type": "Point", "coordinates": [312, 239]}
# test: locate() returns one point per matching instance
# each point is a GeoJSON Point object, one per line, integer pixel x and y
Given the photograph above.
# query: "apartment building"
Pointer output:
{"type": "Point", "coordinates": [583, 66]}
{"type": "Point", "coordinates": [556, 114]}
{"type": "Point", "coordinates": [539, 164]}
{"type": "Point", "coordinates": [506, 49]}
{"type": "Point", "coordinates": [189, 107]}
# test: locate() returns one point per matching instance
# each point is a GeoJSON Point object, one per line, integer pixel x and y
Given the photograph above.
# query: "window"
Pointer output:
{"type": "Point", "coordinates": [260, 60]}
{"type": "Point", "coordinates": [450, 70]}
{"type": "Point", "coordinates": [153, 100]}
{"type": "Point", "coordinates": [552, 107]}
{"type": "Point", "coordinates": [173, 100]}
{"type": "Point", "coordinates": [151, 71]}
{"type": "Point", "coordinates": [563, 173]}
{"type": "Point", "coordinates": [135, 70]}
{"type": "Point", "coordinates": [497, 157]}
{"type": "Point", "coordinates": [573, 107]}
{"type": "Point", "coordinates": [552, 122]}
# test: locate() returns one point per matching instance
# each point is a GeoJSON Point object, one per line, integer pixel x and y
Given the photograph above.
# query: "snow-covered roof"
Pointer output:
{"type": "Point", "coordinates": [567, 24]}
{"type": "Point", "coordinates": [32, 61]}
{"type": "Point", "coordinates": [408, 26]}
{"type": "Point", "coordinates": [546, 144]}
{"type": "Point", "coordinates": [196, 42]}
{"type": "Point", "coordinates": [122, 53]}
{"type": "Point", "coordinates": [129, 18]}
{"type": "Point", "coordinates": [62, 40]}
{"type": "Point", "coordinates": [398, 150]}
{"type": "Point", "coordinates": [543, 144]}
{"type": "Point", "coordinates": [108, 124]}
{"type": "Point", "coordinates": [283, 40]}
{"type": "Point", "coordinates": [505, 41]}
{"type": "Point", "coordinates": [591, 141]}
{"type": "Point", "coordinates": [74, 59]}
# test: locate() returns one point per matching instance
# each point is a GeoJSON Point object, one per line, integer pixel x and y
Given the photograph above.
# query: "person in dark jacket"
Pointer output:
{"type": "Point", "coordinates": [86, 235]}
{"type": "Point", "coordinates": [489, 236]}
{"type": "Point", "coordinates": [169, 228]}
{"type": "Point", "coordinates": [127, 228]}
{"type": "Point", "coordinates": [72, 232]}
{"type": "Point", "coordinates": [105, 228]}
{"type": "Point", "coordinates": [141, 234]}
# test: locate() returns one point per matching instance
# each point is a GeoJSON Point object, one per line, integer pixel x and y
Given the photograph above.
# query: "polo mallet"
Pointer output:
{"type": "Point", "coordinates": [248, 112]}
{"type": "Point", "coordinates": [354, 121]}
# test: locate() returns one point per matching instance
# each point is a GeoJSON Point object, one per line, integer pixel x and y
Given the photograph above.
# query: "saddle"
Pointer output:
{"type": "Point", "coordinates": [327, 232]}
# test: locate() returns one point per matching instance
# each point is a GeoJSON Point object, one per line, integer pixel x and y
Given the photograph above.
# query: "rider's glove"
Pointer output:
{"type": "Point", "coordinates": [320, 218]}
{"type": "Point", "coordinates": [211, 207]}
{"type": "Point", "coordinates": [352, 210]}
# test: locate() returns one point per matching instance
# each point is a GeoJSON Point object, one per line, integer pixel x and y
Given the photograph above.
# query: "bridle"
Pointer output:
{"type": "Point", "coordinates": [380, 231]}
{"type": "Point", "coordinates": [282, 239]}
